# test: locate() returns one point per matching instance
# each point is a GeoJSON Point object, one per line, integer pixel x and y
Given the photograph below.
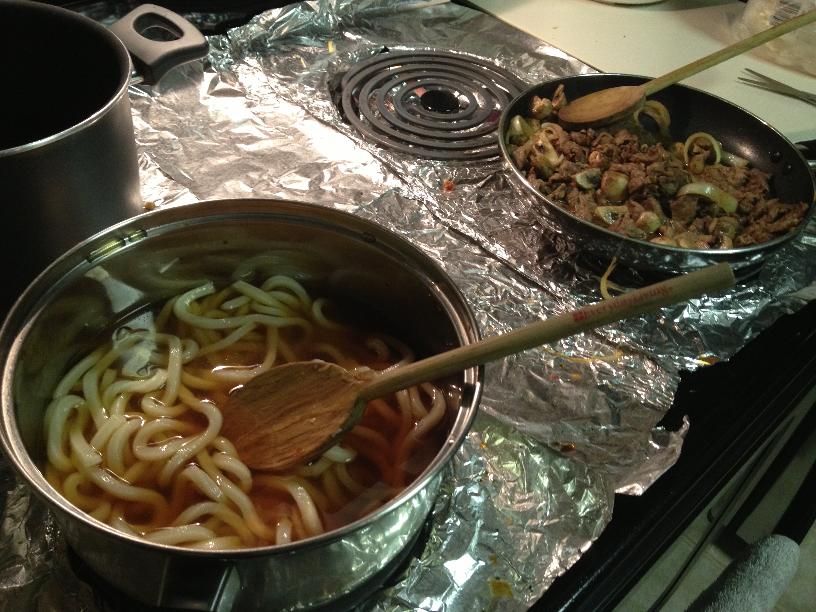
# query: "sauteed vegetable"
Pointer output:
{"type": "Point", "coordinates": [638, 182]}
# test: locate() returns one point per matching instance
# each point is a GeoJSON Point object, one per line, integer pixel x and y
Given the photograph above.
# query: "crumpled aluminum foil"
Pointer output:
{"type": "Point", "coordinates": [562, 428]}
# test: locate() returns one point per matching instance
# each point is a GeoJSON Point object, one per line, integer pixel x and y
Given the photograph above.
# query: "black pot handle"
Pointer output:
{"type": "Point", "coordinates": [159, 39]}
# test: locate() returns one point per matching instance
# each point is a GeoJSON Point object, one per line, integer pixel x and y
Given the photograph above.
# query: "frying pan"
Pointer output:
{"type": "Point", "coordinates": [691, 110]}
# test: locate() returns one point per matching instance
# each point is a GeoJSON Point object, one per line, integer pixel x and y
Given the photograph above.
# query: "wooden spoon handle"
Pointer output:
{"type": "Point", "coordinates": [639, 301]}
{"type": "Point", "coordinates": [727, 53]}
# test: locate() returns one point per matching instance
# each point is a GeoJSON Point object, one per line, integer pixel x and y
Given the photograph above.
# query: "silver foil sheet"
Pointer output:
{"type": "Point", "coordinates": [563, 427]}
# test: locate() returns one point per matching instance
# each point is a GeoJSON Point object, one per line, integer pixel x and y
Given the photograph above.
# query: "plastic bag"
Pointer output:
{"type": "Point", "coordinates": [795, 50]}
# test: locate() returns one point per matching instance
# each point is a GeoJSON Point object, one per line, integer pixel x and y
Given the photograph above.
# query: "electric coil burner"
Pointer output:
{"type": "Point", "coordinates": [431, 104]}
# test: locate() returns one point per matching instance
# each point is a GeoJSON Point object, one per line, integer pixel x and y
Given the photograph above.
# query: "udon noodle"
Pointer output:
{"type": "Point", "coordinates": [134, 430]}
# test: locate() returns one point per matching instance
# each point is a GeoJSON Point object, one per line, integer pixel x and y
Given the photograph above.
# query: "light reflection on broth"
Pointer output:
{"type": "Point", "coordinates": [134, 430]}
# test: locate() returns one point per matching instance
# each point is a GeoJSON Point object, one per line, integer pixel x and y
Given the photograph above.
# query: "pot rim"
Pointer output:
{"type": "Point", "coordinates": [26, 309]}
{"type": "Point", "coordinates": [710, 254]}
{"type": "Point", "coordinates": [95, 29]}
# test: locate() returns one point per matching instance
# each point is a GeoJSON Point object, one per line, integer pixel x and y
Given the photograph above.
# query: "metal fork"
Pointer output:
{"type": "Point", "coordinates": [769, 84]}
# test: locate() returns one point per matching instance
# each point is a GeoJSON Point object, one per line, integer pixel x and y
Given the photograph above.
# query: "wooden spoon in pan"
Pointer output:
{"type": "Point", "coordinates": [294, 412]}
{"type": "Point", "coordinates": [608, 105]}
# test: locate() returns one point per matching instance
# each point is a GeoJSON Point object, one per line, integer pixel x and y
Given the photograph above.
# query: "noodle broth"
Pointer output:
{"type": "Point", "coordinates": [136, 438]}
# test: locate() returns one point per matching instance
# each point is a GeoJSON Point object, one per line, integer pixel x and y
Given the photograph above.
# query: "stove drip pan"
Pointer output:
{"type": "Point", "coordinates": [430, 104]}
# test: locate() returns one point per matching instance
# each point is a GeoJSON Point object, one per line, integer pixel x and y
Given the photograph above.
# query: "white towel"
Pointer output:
{"type": "Point", "coordinates": [754, 581]}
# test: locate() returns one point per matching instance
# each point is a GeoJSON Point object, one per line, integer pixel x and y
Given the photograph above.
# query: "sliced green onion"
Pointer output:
{"type": "Point", "coordinates": [543, 165]}
{"type": "Point", "coordinates": [715, 145]}
{"type": "Point", "coordinates": [588, 179]}
{"type": "Point", "coordinates": [541, 108]}
{"type": "Point", "coordinates": [649, 221]}
{"type": "Point", "coordinates": [729, 159]}
{"type": "Point", "coordinates": [658, 112]}
{"type": "Point", "coordinates": [545, 154]}
{"type": "Point", "coordinates": [714, 194]}
{"type": "Point", "coordinates": [519, 130]}
{"type": "Point", "coordinates": [614, 185]}
{"type": "Point", "coordinates": [553, 131]}
{"type": "Point", "coordinates": [610, 214]}
{"type": "Point", "coordinates": [728, 226]}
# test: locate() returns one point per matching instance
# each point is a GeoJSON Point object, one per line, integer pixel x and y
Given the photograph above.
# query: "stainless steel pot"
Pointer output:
{"type": "Point", "coordinates": [68, 165]}
{"type": "Point", "coordinates": [691, 110]}
{"type": "Point", "coordinates": [156, 255]}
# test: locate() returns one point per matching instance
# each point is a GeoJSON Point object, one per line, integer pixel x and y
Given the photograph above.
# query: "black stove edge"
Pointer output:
{"type": "Point", "coordinates": [733, 408]}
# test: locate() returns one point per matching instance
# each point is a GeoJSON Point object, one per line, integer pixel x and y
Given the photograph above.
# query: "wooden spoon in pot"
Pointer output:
{"type": "Point", "coordinates": [608, 105]}
{"type": "Point", "coordinates": [294, 412]}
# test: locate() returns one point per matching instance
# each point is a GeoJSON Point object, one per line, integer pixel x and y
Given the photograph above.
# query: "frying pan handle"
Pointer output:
{"type": "Point", "coordinates": [159, 39]}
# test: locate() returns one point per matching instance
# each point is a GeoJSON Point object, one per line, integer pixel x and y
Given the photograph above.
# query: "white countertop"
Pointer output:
{"type": "Point", "coordinates": [653, 39]}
